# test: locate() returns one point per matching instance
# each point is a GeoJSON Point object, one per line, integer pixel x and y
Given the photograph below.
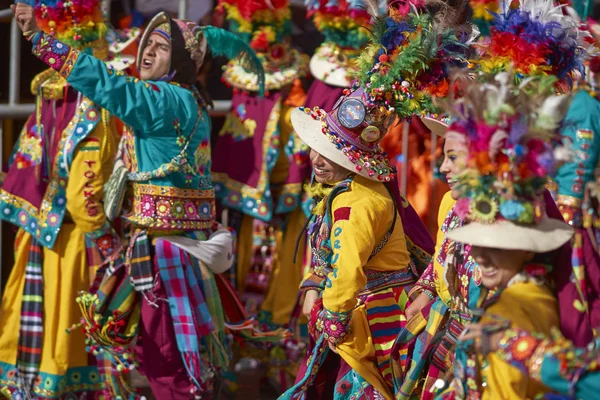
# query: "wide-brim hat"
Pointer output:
{"type": "Point", "coordinates": [356, 149]}
{"type": "Point", "coordinates": [238, 77]}
{"type": "Point", "coordinates": [435, 125]}
{"type": "Point", "coordinates": [330, 65]}
{"type": "Point", "coordinates": [547, 235]}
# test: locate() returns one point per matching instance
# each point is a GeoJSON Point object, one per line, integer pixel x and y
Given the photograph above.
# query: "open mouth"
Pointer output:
{"type": "Point", "coordinates": [146, 63]}
{"type": "Point", "coordinates": [319, 171]}
{"type": "Point", "coordinates": [488, 272]}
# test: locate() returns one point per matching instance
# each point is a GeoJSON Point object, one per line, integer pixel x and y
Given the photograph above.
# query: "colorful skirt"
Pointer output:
{"type": "Point", "coordinates": [66, 370]}
{"type": "Point", "coordinates": [365, 370]}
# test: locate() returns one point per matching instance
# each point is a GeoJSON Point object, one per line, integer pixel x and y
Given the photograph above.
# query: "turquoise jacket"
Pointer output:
{"type": "Point", "coordinates": [582, 127]}
{"type": "Point", "coordinates": [166, 143]}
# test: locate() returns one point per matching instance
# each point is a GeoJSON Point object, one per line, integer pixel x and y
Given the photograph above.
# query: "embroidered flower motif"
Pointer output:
{"type": "Point", "coordinates": [48, 383]}
{"type": "Point", "coordinates": [11, 374]}
{"type": "Point", "coordinates": [234, 198]}
{"type": "Point", "coordinates": [204, 210]}
{"type": "Point", "coordinates": [180, 141]}
{"type": "Point", "coordinates": [59, 48]}
{"type": "Point", "coordinates": [94, 377]}
{"type": "Point", "coordinates": [37, 380]}
{"type": "Point", "coordinates": [177, 209]}
{"type": "Point", "coordinates": [76, 377]}
{"type": "Point", "coordinates": [105, 244]}
{"type": "Point", "coordinates": [53, 219]}
{"type": "Point", "coordinates": [263, 209]}
{"type": "Point", "coordinates": [23, 217]}
{"type": "Point", "coordinates": [523, 348]}
{"type": "Point", "coordinates": [343, 387]}
{"type": "Point", "coordinates": [148, 206]}
{"type": "Point", "coordinates": [163, 208]}
{"type": "Point", "coordinates": [190, 209]}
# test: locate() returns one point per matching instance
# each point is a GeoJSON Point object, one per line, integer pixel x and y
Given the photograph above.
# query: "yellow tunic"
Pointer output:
{"type": "Point", "coordinates": [65, 273]}
{"type": "Point", "coordinates": [441, 286]}
{"type": "Point", "coordinates": [361, 218]}
{"type": "Point", "coordinates": [531, 307]}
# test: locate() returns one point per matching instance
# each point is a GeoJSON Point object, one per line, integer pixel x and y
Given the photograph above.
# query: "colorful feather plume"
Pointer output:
{"type": "Point", "coordinates": [344, 22]}
{"type": "Point", "coordinates": [514, 145]}
{"type": "Point", "coordinates": [534, 39]}
{"type": "Point", "coordinates": [406, 62]}
{"type": "Point", "coordinates": [78, 23]}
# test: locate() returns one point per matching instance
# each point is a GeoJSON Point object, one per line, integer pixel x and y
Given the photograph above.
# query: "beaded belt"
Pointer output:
{"type": "Point", "coordinates": [171, 208]}
{"type": "Point", "coordinates": [381, 280]}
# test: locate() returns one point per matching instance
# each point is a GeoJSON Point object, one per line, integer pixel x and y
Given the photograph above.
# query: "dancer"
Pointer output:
{"type": "Point", "coordinates": [166, 286]}
{"type": "Point", "coordinates": [354, 230]}
{"type": "Point", "coordinates": [53, 193]}
{"type": "Point", "coordinates": [502, 201]}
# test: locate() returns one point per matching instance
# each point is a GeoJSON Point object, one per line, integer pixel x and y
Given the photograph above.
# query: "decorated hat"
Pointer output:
{"type": "Point", "coordinates": [513, 136]}
{"type": "Point", "coordinates": [398, 73]}
{"type": "Point", "coordinates": [534, 39]}
{"type": "Point", "coordinates": [266, 26]}
{"type": "Point", "coordinates": [345, 25]}
{"type": "Point", "coordinates": [529, 37]}
{"type": "Point", "coordinates": [77, 23]}
{"type": "Point", "coordinates": [190, 43]}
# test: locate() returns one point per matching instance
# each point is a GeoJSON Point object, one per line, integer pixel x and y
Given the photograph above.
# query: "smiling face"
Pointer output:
{"type": "Point", "coordinates": [498, 266]}
{"type": "Point", "coordinates": [326, 171]}
{"type": "Point", "coordinates": [156, 58]}
{"type": "Point", "coordinates": [455, 159]}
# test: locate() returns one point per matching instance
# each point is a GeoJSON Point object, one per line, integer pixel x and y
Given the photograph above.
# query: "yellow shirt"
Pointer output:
{"type": "Point", "coordinates": [441, 287]}
{"type": "Point", "coordinates": [533, 308]}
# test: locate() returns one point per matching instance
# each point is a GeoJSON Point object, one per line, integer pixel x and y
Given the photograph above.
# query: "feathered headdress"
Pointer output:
{"type": "Point", "coordinates": [266, 26]}
{"type": "Point", "coordinates": [402, 67]}
{"type": "Point", "coordinates": [406, 62]}
{"type": "Point", "coordinates": [535, 39]}
{"type": "Point", "coordinates": [514, 146]}
{"type": "Point", "coordinates": [345, 22]}
{"type": "Point", "coordinates": [78, 23]}
{"type": "Point", "coordinates": [513, 135]}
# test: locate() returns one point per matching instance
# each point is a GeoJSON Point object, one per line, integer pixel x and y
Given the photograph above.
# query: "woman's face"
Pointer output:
{"type": "Point", "coordinates": [498, 266]}
{"type": "Point", "coordinates": [326, 171]}
{"type": "Point", "coordinates": [455, 160]}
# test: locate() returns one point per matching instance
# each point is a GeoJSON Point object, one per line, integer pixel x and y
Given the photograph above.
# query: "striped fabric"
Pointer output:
{"type": "Point", "coordinates": [191, 318]}
{"type": "Point", "coordinates": [140, 259]}
{"type": "Point", "coordinates": [383, 317]}
{"type": "Point", "coordinates": [31, 328]}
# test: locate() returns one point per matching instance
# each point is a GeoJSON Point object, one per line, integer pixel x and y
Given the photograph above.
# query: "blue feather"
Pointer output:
{"type": "Point", "coordinates": [30, 3]}
{"type": "Point", "coordinates": [227, 44]}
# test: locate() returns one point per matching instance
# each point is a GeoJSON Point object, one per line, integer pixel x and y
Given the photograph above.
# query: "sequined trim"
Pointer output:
{"type": "Point", "coordinates": [171, 208]}
{"type": "Point", "coordinates": [44, 224]}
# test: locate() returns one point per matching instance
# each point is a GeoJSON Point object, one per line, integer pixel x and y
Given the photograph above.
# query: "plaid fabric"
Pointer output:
{"type": "Point", "coordinates": [31, 328]}
{"type": "Point", "coordinates": [191, 318]}
{"type": "Point", "coordinates": [418, 338]}
{"type": "Point", "coordinates": [140, 260]}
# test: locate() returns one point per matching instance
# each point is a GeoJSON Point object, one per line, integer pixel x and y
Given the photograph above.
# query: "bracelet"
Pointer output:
{"type": "Point", "coordinates": [30, 33]}
{"type": "Point", "coordinates": [430, 294]}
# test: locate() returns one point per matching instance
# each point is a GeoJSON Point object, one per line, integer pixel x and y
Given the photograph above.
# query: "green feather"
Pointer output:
{"type": "Point", "coordinates": [227, 44]}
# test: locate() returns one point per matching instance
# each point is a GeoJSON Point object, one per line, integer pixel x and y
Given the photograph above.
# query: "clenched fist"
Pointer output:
{"type": "Point", "coordinates": [25, 17]}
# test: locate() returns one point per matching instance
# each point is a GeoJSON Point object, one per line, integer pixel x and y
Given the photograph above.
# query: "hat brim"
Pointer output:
{"type": "Point", "coordinates": [235, 75]}
{"type": "Point", "coordinates": [121, 62]}
{"type": "Point", "coordinates": [160, 18]}
{"type": "Point", "coordinates": [132, 35]}
{"type": "Point", "coordinates": [435, 126]}
{"type": "Point", "coordinates": [548, 235]}
{"type": "Point", "coordinates": [310, 131]}
{"type": "Point", "coordinates": [328, 72]}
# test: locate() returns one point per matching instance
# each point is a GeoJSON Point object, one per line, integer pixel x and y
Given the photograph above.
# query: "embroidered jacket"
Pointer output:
{"type": "Point", "coordinates": [166, 143]}
{"type": "Point", "coordinates": [63, 156]}
{"type": "Point", "coordinates": [556, 362]}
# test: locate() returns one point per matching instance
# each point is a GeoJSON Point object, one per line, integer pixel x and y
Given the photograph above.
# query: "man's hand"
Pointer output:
{"type": "Point", "coordinates": [309, 301]}
{"type": "Point", "coordinates": [25, 17]}
{"type": "Point", "coordinates": [416, 306]}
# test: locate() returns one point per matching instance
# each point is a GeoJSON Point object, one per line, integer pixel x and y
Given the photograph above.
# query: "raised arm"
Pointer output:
{"type": "Point", "coordinates": [145, 106]}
